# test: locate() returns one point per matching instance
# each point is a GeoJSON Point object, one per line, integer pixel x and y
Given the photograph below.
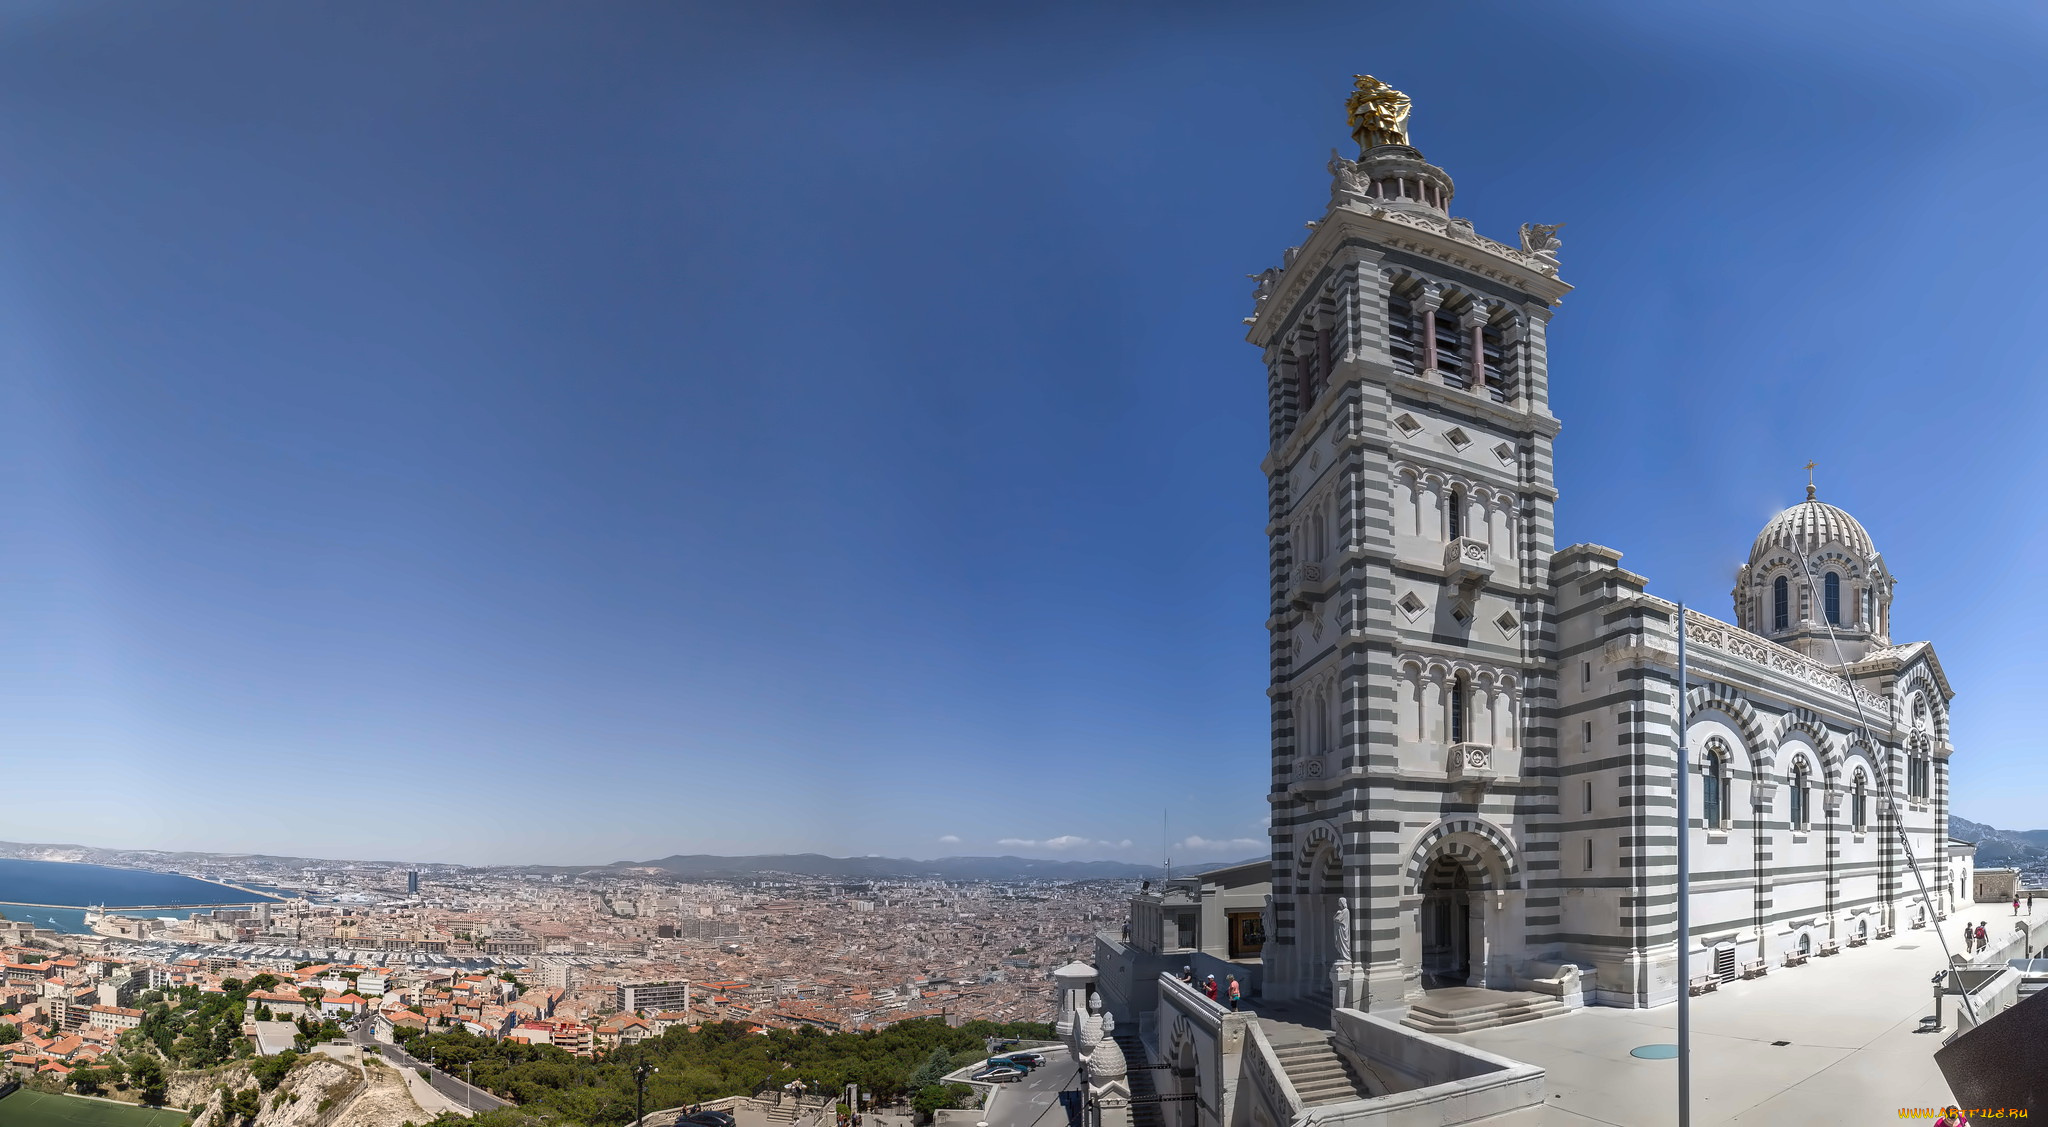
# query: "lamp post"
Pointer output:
{"type": "Point", "coordinates": [466, 1085]}
{"type": "Point", "coordinates": [640, 1072]}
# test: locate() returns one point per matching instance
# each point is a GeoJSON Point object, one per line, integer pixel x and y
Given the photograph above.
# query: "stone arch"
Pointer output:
{"type": "Point", "coordinates": [1724, 699]}
{"type": "Point", "coordinates": [1917, 680]}
{"type": "Point", "coordinates": [1479, 845]}
{"type": "Point", "coordinates": [1805, 720]}
{"type": "Point", "coordinates": [1184, 1061]}
{"type": "Point", "coordinates": [1319, 849]}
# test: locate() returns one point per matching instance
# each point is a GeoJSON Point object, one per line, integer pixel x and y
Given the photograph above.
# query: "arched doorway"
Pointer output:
{"type": "Point", "coordinates": [1463, 892]}
{"type": "Point", "coordinates": [1321, 890]}
{"type": "Point", "coordinates": [1447, 904]}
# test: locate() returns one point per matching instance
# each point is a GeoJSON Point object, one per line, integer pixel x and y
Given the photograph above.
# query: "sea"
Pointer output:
{"type": "Point", "coordinates": [25, 883]}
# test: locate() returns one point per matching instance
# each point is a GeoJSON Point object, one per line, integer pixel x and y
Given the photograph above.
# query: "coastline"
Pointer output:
{"type": "Point", "coordinates": [64, 896]}
{"type": "Point", "coordinates": [130, 907]}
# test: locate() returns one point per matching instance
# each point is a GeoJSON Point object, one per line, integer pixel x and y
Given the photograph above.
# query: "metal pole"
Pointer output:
{"type": "Point", "coordinates": [1684, 897]}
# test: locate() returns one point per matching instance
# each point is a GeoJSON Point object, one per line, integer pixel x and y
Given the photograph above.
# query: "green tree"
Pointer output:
{"type": "Point", "coordinates": [9, 1033]}
{"type": "Point", "coordinates": [241, 1107]}
{"type": "Point", "coordinates": [934, 1097]}
{"type": "Point", "coordinates": [148, 1074]}
{"type": "Point", "coordinates": [270, 1071]}
{"type": "Point", "coordinates": [933, 1070]}
{"type": "Point", "coordinates": [263, 982]}
{"type": "Point", "coordinates": [88, 1081]}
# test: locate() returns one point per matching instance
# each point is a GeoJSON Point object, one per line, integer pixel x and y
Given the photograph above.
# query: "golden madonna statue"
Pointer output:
{"type": "Point", "coordinates": [1378, 113]}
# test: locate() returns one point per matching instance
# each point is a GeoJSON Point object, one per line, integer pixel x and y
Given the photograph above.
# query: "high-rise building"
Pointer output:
{"type": "Point", "coordinates": [412, 882]}
{"type": "Point", "coordinates": [654, 997]}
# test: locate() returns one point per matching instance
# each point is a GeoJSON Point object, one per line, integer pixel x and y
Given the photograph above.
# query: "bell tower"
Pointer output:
{"type": "Point", "coordinates": [1413, 656]}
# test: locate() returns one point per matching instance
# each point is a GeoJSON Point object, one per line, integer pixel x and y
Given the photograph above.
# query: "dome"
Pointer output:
{"type": "Point", "coordinates": [1807, 527]}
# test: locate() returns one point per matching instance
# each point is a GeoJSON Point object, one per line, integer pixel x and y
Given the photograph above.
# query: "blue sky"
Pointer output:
{"type": "Point", "coordinates": [567, 433]}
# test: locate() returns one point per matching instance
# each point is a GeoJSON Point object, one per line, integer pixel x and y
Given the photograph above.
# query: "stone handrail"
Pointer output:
{"type": "Point", "coordinates": [1192, 1000]}
{"type": "Point", "coordinates": [1268, 1075]}
{"type": "Point", "coordinates": [1713, 634]}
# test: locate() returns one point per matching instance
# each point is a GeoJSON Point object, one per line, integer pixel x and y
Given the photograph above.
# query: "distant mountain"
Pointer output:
{"type": "Point", "coordinates": [701, 866]}
{"type": "Point", "coordinates": [1998, 848]}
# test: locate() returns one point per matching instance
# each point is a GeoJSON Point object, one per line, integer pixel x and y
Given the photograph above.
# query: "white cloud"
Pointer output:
{"type": "Point", "coordinates": [949, 839]}
{"type": "Point", "coordinates": [1063, 842]}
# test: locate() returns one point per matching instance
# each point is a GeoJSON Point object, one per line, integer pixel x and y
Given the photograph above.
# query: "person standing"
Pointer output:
{"type": "Point", "coordinates": [1187, 975]}
{"type": "Point", "coordinates": [2015, 903]}
{"type": "Point", "coordinates": [1209, 987]}
{"type": "Point", "coordinates": [1983, 938]}
{"type": "Point", "coordinates": [1235, 994]}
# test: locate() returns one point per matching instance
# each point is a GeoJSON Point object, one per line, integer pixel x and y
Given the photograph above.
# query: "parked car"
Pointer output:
{"type": "Point", "coordinates": [1025, 1061]}
{"type": "Point", "coordinates": [999, 1074]}
{"type": "Point", "coordinates": [710, 1119]}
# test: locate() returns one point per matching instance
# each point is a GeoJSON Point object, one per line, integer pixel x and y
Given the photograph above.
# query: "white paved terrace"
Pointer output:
{"type": "Point", "coordinates": [1854, 1056]}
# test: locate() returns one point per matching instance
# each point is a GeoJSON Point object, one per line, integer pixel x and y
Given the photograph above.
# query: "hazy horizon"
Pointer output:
{"type": "Point", "coordinates": [641, 430]}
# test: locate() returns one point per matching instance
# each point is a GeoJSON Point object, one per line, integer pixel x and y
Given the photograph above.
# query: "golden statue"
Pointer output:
{"type": "Point", "coordinates": [1378, 113]}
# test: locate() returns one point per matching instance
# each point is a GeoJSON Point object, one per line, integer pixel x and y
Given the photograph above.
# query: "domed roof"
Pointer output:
{"type": "Point", "coordinates": [1810, 525]}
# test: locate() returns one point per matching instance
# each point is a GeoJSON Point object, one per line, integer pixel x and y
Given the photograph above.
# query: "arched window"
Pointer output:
{"type": "Point", "coordinates": [1859, 809]}
{"type": "Point", "coordinates": [1781, 604]}
{"type": "Point", "coordinates": [1800, 795]}
{"type": "Point", "coordinates": [1831, 592]}
{"type": "Point", "coordinates": [1713, 792]}
{"type": "Point", "coordinates": [1805, 943]}
{"type": "Point", "coordinates": [1461, 701]}
{"type": "Point", "coordinates": [1919, 711]}
{"type": "Point", "coordinates": [1457, 514]}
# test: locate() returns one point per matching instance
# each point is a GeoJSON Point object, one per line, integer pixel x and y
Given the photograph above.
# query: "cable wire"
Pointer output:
{"type": "Point", "coordinates": [1885, 783]}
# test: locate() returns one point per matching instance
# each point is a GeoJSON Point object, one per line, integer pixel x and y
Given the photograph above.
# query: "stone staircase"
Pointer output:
{"type": "Point", "coordinates": [1145, 1082]}
{"type": "Point", "coordinates": [1319, 1074]}
{"type": "Point", "coordinates": [1464, 1009]}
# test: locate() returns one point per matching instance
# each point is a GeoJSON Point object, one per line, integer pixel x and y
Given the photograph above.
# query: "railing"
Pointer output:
{"type": "Point", "coordinates": [1469, 760]}
{"type": "Point", "coordinates": [1465, 556]}
{"type": "Point", "coordinates": [1268, 1075]}
{"type": "Point", "coordinates": [1714, 634]}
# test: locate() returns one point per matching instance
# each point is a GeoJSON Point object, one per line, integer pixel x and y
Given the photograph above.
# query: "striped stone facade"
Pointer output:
{"type": "Point", "coordinates": [1473, 741]}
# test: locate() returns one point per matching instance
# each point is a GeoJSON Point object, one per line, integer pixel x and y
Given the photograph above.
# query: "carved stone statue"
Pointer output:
{"type": "Point", "coordinates": [1343, 930]}
{"type": "Point", "coordinates": [1348, 180]}
{"type": "Point", "coordinates": [1378, 113]}
{"type": "Point", "coordinates": [1541, 238]}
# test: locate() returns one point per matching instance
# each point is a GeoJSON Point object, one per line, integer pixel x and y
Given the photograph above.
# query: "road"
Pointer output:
{"type": "Point", "coordinates": [451, 1086]}
{"type": "Point", "coordinates": [1034, 1100]}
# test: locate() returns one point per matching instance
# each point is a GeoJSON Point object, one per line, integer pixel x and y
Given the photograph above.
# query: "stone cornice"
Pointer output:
{"type": "Point", "coordinates": [1479, 406]}
{"type": "Point", "coordinates": [1451, 242]}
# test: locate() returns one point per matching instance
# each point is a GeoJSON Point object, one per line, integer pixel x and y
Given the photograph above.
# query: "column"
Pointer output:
{"type": "Point", "coordinates": [1439, 706]}
{"type": "Point", "coordinates": [1427, 303]}
{"type": "Point", "coordinates": [1474, 321]}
